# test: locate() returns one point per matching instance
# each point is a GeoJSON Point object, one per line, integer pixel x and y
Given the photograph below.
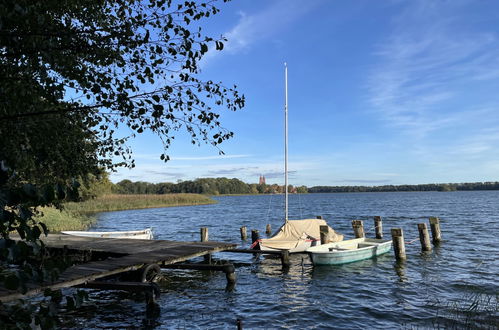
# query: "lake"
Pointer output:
{"type": "Point", "coordinates": [455, 285]}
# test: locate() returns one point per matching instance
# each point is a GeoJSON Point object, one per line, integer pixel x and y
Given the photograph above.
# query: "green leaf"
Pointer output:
{"type": "Point", "coordinates": [11, 282]}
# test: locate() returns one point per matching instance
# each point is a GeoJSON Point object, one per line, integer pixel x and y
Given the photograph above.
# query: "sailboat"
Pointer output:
{"type": "Point", "coordinates": [294, 235]}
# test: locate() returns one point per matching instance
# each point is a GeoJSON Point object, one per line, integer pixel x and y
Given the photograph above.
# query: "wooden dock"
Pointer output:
{"type": "Point", "coordinates": [127, 255]}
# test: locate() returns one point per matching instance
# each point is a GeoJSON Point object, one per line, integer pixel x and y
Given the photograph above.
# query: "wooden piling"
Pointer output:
{"type": "Point", "coordinates": [424, 237]}
{"type": "Point", "coordinates": [358, 228]}
{"type": "Point", "coordinates": [324, 230]}
{"type": "Point", "coordinates": [378, 227]}
{"type": "Point", "coordinates": [268, 230]}
{"type": "Point", "coordinates": [398, 243]}
{"type": "Point", "coordinates": [243, 233]}
{"type": "Point", "coordinates": [320, 217]}
{"type": "Point", "coordinates": [204, 238]}
{"type": "Point", "coordinates": [435, 230]}
{"type": "Point", "coordinates": [255, 235]}
{"type": "Point", "coordinates": [204, 234]}
{"type": "Point", "coordinates": [285, 259]}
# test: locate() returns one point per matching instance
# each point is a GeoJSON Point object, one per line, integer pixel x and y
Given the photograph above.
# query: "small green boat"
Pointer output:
{"type": "Point", "coordinates": [348, 251]}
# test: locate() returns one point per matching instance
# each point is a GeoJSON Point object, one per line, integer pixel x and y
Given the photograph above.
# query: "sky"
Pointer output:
{"type": "Point", "coordinates": [380, 93]}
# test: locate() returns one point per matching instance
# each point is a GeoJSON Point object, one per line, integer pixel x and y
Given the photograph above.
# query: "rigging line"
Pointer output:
{"type": "Point", "coordinates": [268, 210]}
{"type": "Point", "coordinates": [300, 206]}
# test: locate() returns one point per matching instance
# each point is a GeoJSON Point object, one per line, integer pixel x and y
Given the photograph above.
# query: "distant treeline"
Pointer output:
{"type": "Point", "coordinates": [225, 186]}
{"type": "Point", "coordinates": [419, 187]}
{"type": "Point", "coordinates": [210, 186]}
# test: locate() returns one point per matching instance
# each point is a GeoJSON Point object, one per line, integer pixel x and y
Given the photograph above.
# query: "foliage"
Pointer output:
{"type": "Point", "coordinates": [419, 187]}
{"type": "Point", "coordinates": [71, 74]}
{"type": "Point", "coordinates": [94, 186]}
{"type": "Point", "coordinates": [209, 186]}
{"type": "Point", "coordinates": [58, 220]}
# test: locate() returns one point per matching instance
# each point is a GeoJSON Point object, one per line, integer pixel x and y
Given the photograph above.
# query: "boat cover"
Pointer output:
{"type": "Point", "coordinates": [296, 232]}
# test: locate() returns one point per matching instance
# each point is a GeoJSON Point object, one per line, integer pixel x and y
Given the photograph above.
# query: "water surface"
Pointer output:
{"type": "Point", "coordinates": [455, 285]}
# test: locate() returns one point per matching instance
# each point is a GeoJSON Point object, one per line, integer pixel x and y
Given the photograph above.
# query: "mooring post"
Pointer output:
{"type": "Point", "coordinates": [255, 235]}
{"type": "Point", "coordinates": [239, 324]}
{"type": "Point", "coordinates": [153, 310]}
{"type": "Point", "coordinates": [204, 238]}
{"type": "Point", "coordinates": [204, 234]}
{"type": "Point", "coordinates": [320, 217]}
{"type": "Point", "coordinates": [268, 230]}
{"type": "Point", "coordinates": [243, 233]}
{"type": "Point", "coordinates": [230, 273]}
{"type": "Point", "coordinates": [285, 259]}
{"type": "Point", "coordinates": [358, 228]}
{"type": "Point", "coordinates": [378, 227]}
{"type": "Point", "coordinates": [398, 243]}
{"type": "Point", "coordinates": [424, 237]}
{"type": "Point", "coordinates": [435, 230]}
{"type": "Point", "coordinates": [324, 230]}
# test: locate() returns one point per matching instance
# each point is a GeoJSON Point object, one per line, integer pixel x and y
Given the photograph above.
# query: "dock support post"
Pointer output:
{"type": "Point", "coordinates": [204, 238]}
{"type": "Point", "coordinates": [398, 243]}
{"type": "Point", "coordinates": [378, 227]}
{"type": "Point", "coordinates": [435, 230]}
{"type": "Point", "coordinates": [320, 217]}
{"type": "Point", "coordinates": [358, 228]}
{"type": "Point", "coordinates": [268, 230]}
{"type": "Point", "coordinates": [243, 233]}
{"type": "Point", "coordinates": [204, 234]}
{"type": "Point", "coordinates": [255, 235]}
{"type": "Point", "coordinates": [285, 259]}
{"type": "Point", "coordinates": [230, 273]}
{"type": "Point", "coordinates": [153, 310]}
{"type": "Point", "coordinates": [424, 237]}
{"type": "Point", "coordinates": [239, 324]}
{"type": "Point", "coordinates": [324, 230]}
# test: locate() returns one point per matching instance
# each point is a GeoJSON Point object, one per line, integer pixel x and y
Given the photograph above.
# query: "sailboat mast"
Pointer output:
{"type": "Point", "coordinates": [286, 142]}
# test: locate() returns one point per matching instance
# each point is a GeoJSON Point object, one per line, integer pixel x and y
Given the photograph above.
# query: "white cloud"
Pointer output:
{"type": "Point", "coordinates": [263, 25]}
{"type": "Point", "coordinates": [427, 64]}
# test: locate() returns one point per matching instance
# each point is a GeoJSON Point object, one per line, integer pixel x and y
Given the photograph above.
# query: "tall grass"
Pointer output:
{"type": "Point", "coordinates": [59, 220]}
{"type": "Point", "coordinates": [128, 202]}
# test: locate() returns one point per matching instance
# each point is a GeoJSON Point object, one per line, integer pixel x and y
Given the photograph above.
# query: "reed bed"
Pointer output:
{"type": "Point", "coordinates": [116, 202]}
{"type": "Point", "coordinates": [59, 220]}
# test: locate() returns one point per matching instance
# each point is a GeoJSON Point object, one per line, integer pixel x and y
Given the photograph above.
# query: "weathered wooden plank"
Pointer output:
{"type": "Point", "coordinates": [135, 254]}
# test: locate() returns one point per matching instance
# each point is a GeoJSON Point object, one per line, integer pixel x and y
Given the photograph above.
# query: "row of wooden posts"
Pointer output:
{"type": "Point", "coordinates": [358, 229]}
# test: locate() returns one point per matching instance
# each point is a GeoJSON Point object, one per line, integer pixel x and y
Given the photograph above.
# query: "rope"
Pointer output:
{"type": "Point", "coordinates": [268, 210]}
{"type": "Point", "coordinates": [300, 206]}
{"type": "Point", "coordinates": [410, 242]}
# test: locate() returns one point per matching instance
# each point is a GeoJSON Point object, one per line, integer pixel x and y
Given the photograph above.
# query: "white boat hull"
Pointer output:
{"type": "Point", "coordinates": [300, 248]}
{"type": "Point", "coordinates": [131, 234]}
{"type": "Point", "coordinates": [348, 251]}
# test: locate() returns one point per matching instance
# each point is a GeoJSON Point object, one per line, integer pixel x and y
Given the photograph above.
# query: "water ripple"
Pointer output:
{"type": "Point", "coordinates": [425, 291]}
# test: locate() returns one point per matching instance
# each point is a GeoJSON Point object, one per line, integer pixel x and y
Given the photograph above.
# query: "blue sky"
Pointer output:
{"type": "Point", "coordinates": [380, 92]}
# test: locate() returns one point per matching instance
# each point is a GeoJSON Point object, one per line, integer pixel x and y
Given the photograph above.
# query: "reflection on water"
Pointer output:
{"type": "Point", "coordinates": [425, 290]}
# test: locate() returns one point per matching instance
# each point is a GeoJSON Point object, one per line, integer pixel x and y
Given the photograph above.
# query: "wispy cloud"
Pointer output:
{"type": "Point", "coordinates": [427, 64]}
{"type": "Point", "coordinates": [262, 25]}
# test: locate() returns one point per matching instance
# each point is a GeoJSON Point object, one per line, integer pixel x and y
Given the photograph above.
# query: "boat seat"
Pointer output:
{"type": "Point", "coordinates": [364, 245]}
{"type": "Point", "coordinates": [338, 249]}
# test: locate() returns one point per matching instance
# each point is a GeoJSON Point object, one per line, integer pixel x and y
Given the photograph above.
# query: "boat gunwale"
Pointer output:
{"type": "Point", "coordinates": [324, 248]}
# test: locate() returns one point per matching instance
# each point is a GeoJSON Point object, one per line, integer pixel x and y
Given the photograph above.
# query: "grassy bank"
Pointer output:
{"type": "Point", "coordinates": [57, 220]}
{"type": "Point", "coordinates": [132, 202]}
{"type": "Point", "coordinates": [75, 216]}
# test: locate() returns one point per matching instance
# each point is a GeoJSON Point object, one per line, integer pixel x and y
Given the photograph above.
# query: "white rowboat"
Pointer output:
{"type": "Point", "coordinates": [348, 251]}
{"type": "Point", "coordinates": [132, 234]}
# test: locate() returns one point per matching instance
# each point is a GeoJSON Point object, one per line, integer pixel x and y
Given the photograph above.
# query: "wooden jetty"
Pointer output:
{"type": "Point", "coordinates": [124, 255]}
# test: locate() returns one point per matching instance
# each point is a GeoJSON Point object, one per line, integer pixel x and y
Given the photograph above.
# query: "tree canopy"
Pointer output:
{"type": "Point", "coordinates": [72, 73]}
